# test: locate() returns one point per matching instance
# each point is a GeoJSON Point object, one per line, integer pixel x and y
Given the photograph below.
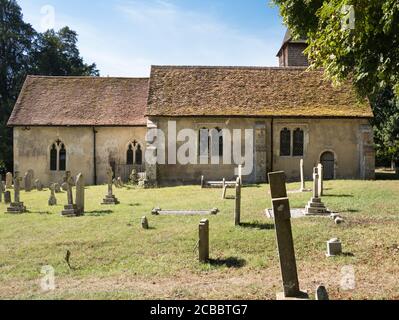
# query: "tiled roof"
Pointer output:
{"type": "Point", "coordinates": [81, 101]}
{"type": "Point", "coordinates": [249, 91]}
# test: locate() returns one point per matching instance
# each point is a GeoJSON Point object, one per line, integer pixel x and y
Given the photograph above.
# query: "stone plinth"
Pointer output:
{"type": "Point", "coordinates": [316, 207]}
{"type": "Point", "coordinates": [16, 208]}
{"type": "Point", "coordinates": [110, 199]}
{"type": "Point", "coordinates": [70, 210]}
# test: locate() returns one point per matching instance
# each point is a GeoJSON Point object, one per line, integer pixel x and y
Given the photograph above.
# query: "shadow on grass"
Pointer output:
{"type": "Point", "coordinates": [386, 176]}
{"type": "Point", "coordinates": [351, 210]}
{"type": "Point", "coordinates": [339, 195]}
{"type": "Point", "coordinates": [40, 212]}
{"type": "Point", "coordinates": [257, 225]}
{"type": "Point", "coordinates": [98, 213]}
{"type": "Point", "coordinates": [134, 204]}
{"type": "Point", "coordinates": [232, 262]}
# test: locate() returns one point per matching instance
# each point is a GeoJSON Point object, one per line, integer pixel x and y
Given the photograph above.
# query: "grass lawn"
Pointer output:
{"type": "Point", "coordinates": [113, 258]}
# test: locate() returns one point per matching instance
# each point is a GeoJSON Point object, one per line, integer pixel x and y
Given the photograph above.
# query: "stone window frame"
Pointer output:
{"type": "Point", "coordinates": [135, 143]}
{"type": "Point", "coordinates": [58, 146]}
{"type": "Point", "coordinates": [209, 126]}
{"type": "Point", "coordinates": [292, 126]}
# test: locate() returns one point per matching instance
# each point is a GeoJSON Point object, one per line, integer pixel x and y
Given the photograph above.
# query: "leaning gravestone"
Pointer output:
{"type": "Point", "coordinates": [110, 197]}
{"type": "Point", "coordinates": [285, 242]}
{"type": "Point", "coordinates": [17, 206]}
{"type": "Point", "coordinates": [80, 194]}
{"type": "Point", "coordinates": [9, 180]}
{"type": "Point", "coordinates": [70, 210]}
{"type": "Point", "coordinates": [52, 201]}
{"type": "Point", "coordinates": [7, 197]}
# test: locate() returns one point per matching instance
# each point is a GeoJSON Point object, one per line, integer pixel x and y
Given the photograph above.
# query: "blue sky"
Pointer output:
{"type": "Point", "coordinates": [126, 37]}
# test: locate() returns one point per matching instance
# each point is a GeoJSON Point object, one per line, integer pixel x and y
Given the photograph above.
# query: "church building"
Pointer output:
{"type": "Point", "coordinates": [84, 124]}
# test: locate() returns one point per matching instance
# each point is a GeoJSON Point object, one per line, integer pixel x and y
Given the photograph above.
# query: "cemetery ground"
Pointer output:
{"type": "Point", "coordinates": [112, 257]}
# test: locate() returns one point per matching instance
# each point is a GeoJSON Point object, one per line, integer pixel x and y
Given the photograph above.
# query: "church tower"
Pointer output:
{"type": "Point", "coordinates": [291, 52]}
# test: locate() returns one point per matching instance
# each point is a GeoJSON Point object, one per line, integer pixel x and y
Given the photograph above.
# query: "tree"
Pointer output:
{"type": "Point", "coordinates": [16, 38]}
{"type": "Point", "coordinates": [368, 53]}
{"type": "Point", "coordinates": [57, 54]}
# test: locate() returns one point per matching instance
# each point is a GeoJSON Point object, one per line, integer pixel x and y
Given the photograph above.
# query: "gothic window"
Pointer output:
{"type": "Point", "coordinates": [220, 136]}
{"type": "Point", "coordinates": [298, 143]}
{"type": "Point", "coordinates": [62, 158]}
{"type": "Point", "coordinates": [130, 155]}
{"type": "Point", "coordinates": [139, 155]}
{"type": "Point", "coordinates": [285, 142]}
{"type": "Point", "coordinates": [53, 158]}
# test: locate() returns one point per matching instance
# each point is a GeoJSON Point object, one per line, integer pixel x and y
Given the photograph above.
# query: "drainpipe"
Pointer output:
{"type": "Point", "coordinates": [95, 155]}
{"type": "Point", "coordinates": [272, 145]}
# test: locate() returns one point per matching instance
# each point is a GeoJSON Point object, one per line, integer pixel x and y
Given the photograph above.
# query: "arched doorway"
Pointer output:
{"type": "Point", "coordinates": [327, 159]}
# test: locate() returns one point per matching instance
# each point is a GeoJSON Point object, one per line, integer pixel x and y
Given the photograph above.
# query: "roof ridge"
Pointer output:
{"type": "Point", "coordinates": [229, 67]}
{"type": "Point", "coordinates": [87, 77]}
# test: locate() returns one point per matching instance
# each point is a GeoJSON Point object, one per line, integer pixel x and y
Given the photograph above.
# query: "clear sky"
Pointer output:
{"type": "Point", "coordinates": [126, 37]}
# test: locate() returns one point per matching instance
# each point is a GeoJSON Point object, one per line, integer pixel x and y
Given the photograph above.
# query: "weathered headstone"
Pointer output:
{"type": "Point", "coordinates": [285, 242]}
{"type": "Point", "coordinates": [204, 241]}
{"type": "Point", "coordinates": [57, 188]}
{"type": "Point", "coordinates": [70, 210]}
{"type": "Point", "coordinates": [80, 194]}
{"type": "Point", "coordinates": [7, 197]}
{"type": "Point", "coordinates": [9, 180]}
{"type": "Point", "coordinates": [64, 186]}
{"type": "Point", "coordinates": [134, 177]}
{"type": "Point", "coordinates": [144, 223]}
{"type": "Point", "coordinates": [28, 182]}
{"type": "Point", "coordinates": [2, 190]}
{"type": "Point", "coordinates": [321, 293]}
{"type": "Point", "coordinates": [237, 206]}
{"type": "Point", "coordinates": [110, 197]}
{"type": "Point", "coordinates": [334, 247]}
{"type": "Point", "coordinates": [320, 188]}
{"type": "Point", "coordinates": [38, 185]}
{"type": "Point", "coordinates": [17, 206]}
{"type": "Point", "coordinates": [120, 182]}
{"type": "Point", "coordinates": [52, 201]}
{"type": "Point", "coordinates": [303, 183]}
{"type": "Point", "coordinates": [315, 206]}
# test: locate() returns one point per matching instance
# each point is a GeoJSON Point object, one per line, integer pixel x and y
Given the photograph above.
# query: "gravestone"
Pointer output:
{"type": "Point", "coordinates": [144, 223]}
{"type": "Point", "coordinates": [52, 201]}
{"type": "Point", "coordinates": [240, 172]}
{"type": "Point", "coordinates": [134, 177]}
{"type": "Point", "coordinates": [204, 241]}
{"type": "Point", "coordinates": [202, 182]}
{"type": "Point", "coordinates": [17, 206]}
{"type": "Point", "coordinates": [2, 190]}
{"type": "Point", "coordinates": [160, 212]}
{"type": "Point", "coordinates": [9, 180]}
{"type": "Point", "coordinates": [38, 185]}
{"type": "Point", "coordinates": [110, 198]}
{"type": "Point", "coordinates": [28, 182]}
{"type": "Point", "coordinates": [303, 183]}
{"type": "Point", "coordinates": [64, 186]}
{"type": "Point", "coordinates": [315, 206]}
{"type": "Point", "coordinates": [321, 293]}
{"type": "Point", "coordinates": [143, 181]}
{"type": "Point", "coordinates": [285, 242]}
{"type": "Point", "coordinates": [237, 206]}
{"type": "Point", "coordinates": [7, 197]}
{"type": "Point", "coordinates": [80, 194]}
{"type": "Point", "coordinates": [57, 188]}
{"type": "Point", "coordinates": [120, 182]}
{"type": "Point", "coordinates": [70, 210]}
{"type": "Point", "coordinates": [334, 248]}
{"type": "Point", "coordinates": [224, 192]}
{"type": "Point", "coordinates": [320, 188]}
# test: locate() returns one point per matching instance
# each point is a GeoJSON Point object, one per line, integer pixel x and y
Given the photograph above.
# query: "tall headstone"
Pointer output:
{"type": "Point", "coordinates": [28, 182]}
{"type": "Point", "coordinates": [9, 180]}
{"type": "Point", "coordinates": [52, 201]}
{"type": "Point", "coordinates": [315, 206]}
{"type": "Point", "coordinates": [110, 197]}
{"type": "Point", "coordinates": [285, 242]}
{"type": "Point", "coordinates": [2, 190]}
{"type": "Point", "coordinates": [237, 206]}
{"type": "Point", "coordinates": [320, 188]}
{"type": "Point", "coordinates": [70, 210]}
{"type": "Point", "coordinates": [38, 185]}
{"type": "Point", "coordinates": [17, 206]}
{"type": "Point", "coordinates": [80, 194]}
{"type": "Point", "coordinates": [204, 241]}
{"type": "Point", "coordinates": [302, 169]}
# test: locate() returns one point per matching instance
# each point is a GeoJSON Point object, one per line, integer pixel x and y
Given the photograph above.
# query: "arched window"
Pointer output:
{"type": "Point", "coordinates": [62, 158]}
{"type": "Point", "coordinates": [130, 155]}
{"type": "Point", "coordinates": [298, 143]}
{"type": "Point", "coordinates": [285, 142]}
{"type": "Point", "coordinates": [139, 155]}
{"type": "Point", "coordinates": [53, 158]}
{"type": "Point", "coordinates": [220, 132]}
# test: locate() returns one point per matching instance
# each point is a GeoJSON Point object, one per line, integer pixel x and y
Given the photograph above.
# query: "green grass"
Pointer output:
{"type": "Point", "coordinates": [113, 258]}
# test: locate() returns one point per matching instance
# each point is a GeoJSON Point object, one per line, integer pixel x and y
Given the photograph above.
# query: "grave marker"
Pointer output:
{"type": "Point", "coordinates": [38, 185]}
{"type": "Point", "coordinates": [17, 206]}
{"type": "Point", "coordinates": [320, 188]}
{"type": "Point", "coordinates": [285, 242]}
{"type": "Point", "coordinates": [321, 293]}
{"type": "Point", "coordinates": [28, 182]}
{"type": "Point", "coordinates": [237, 207]}
{"type": "Point", "coordinates": [110, 197]}
{"type": "Point", "coordinates": [334, 248]}
{"type": "Point", "coordinates": [315, 206]}
{"type": "Point", "coordinates": [303, 183]}
{"type": "Point", "coordinates": [204, 241]}
{"type": "Point", "coordinates": [57, 188]}
{"type": "Point", "coordinates": [80, 194]}
{"type": "Point", "coordinates": [70, 210]}
{"type": "Point", "coordinates": [52, 201]}
{"type": "Point", "coordinates": [2, 190]}
{"type": "Point", "coordinates": [7, 197]}
{"type": "Point", "coordinates": [144, 223]}
{"type": "Point", "coordinates": [9, 180]}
